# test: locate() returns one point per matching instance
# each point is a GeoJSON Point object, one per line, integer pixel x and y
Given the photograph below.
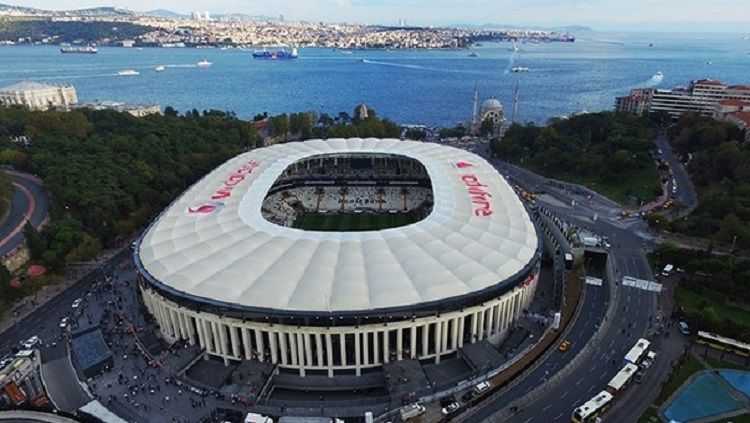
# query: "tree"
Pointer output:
{"type": "Point", "coordinates": [34, 241]}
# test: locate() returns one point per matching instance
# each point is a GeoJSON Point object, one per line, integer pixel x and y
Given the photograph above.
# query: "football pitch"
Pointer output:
{"type": "Point", "coordinates": [349, 222]}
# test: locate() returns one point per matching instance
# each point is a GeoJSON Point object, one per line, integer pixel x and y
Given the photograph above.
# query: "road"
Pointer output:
{"type": "Point", "coordinates": [29, 203]}
{"type": "Point", "coordinates": [684, 194]}
{"type": "Point", "coordinates": [632, 318]}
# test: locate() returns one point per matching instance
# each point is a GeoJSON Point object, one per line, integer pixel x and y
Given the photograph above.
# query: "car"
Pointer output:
{"type": "Point", "coordinates": [450, 408]}
{"type": "Point", "coordinates": [77, 302]}
{"type": "Point", "coordinates": [31, 342]}
{"type": "Point", "coordinates": [5, 362]}
{"type": "Point", "coordinates": [468, 396]}
{"type": "Point", "coordinates": [564, 345]}
{"type": "Point", "coordinates": [447, 400]}
{"type": "Point", "coordinates": [64, 322]}
{"type": "Point", "coordinates": [410, 411]}
{"type": "Point", "coordinates": [482, 387]}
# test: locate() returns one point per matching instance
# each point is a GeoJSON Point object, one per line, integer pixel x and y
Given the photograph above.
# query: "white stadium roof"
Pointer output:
{"type": "Point", "coordinates": [223, 250]}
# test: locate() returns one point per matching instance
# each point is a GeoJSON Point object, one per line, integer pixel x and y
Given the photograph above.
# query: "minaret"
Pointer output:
{"type": "Point", "coordinates": [515, 105]}
{"type": "Point", "coordinates": [474, 123]}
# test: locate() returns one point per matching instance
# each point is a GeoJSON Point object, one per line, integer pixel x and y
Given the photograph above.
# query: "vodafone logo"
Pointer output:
{"type": "Point", "coordinates": [205, 209]}
{"type": "Point", "coordinates": [477, 190]}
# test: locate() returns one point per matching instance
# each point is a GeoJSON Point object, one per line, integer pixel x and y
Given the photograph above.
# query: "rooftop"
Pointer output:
{"type": "Point", "coordinates": [28, 86]}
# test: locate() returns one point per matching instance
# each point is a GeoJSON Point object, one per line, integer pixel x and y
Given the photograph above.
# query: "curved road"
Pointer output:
{"type": "Point", "coordinates": [29, 202]}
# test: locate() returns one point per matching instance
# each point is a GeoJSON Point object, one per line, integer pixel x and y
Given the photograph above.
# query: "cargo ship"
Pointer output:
{"type": "Point", "coordinates": [278, 54]}
{"type": "Point", "coordinates": [78, 50]}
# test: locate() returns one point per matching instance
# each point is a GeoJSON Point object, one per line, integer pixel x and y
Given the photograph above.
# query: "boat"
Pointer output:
{"type": "Point", "coordinates": [519, 69]}
{"type": "Point", "coordinates": [78, 50]}
{"type": "Point", "coordinates": [159, 68]}
{"type": "Point", "coordinates": [128, 72]}
{"type": "Point", "coordinates": [651, 44]}
{"type": "Point", "coordinates": [473, 55]}
{"type": "Point", "coordinates": [709, 63]}
{"type": "Point", "coordinates": [275, 55]}
{"type": "Point", "coordinates": [514, 48]}
{"type": "Point", "coordinates": [204, 64]}
{"type": "Point", "coordinates": [658, 74]}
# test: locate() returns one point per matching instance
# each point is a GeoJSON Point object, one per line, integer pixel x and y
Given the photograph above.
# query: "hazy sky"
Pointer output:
{"type": "Point", "coordinates": [689, 15]}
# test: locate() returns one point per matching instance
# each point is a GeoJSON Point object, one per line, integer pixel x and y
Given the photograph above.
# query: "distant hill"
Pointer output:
{"type": "Point", "coordinates": [577, 29]}
{"type": "Point", "coordinates": [106, 11]}
{"type": "Point", "coordinates": [164, 13]}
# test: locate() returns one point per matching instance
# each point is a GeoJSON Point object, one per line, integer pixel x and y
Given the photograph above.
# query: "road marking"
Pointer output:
{"type": "Point", "coordinates": [578, 382]}
{"type": "Point", "coordinates": [546, 408]}
{"type": "Point", "coordinates": [592, 368]}
{"type": "Point", "coordinates": [558, 416]}
{"type": "Point", "coordinates": [564, 395]}
{"type": "Point", "coordinates": [591, 388]}
{"type": "Point", "coordinates": [527, 420]}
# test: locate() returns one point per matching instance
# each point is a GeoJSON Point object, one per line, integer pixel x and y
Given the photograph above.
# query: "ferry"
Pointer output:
{"type": "Point", "coordinates": [128, 72]}
{"type": "Point", "coordinates": [473, 55]}
{"type": "Point", "coordinates": [78, 50]}
{"type": "Point", "coordinates": [658, 75]}
{"type": "Point", "coordinates": [277, 55]}
{"type": "Point", "coordinates": [519, 69]}
{"type": "Point", "coordinates": [159, 68]}
{"type": "Point", "coordinates": [204, 64]}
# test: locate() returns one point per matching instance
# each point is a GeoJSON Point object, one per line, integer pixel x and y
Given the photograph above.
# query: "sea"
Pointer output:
{"type": "Point", "coordinates": [423, 87]}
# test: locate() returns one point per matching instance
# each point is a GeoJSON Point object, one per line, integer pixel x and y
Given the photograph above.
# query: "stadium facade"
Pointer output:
{"type": "Point", "coordinates": [226, 267]}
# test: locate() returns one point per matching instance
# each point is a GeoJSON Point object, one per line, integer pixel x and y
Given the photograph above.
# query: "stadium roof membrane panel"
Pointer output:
{"type": "Point", "coordinates": [213, 243]}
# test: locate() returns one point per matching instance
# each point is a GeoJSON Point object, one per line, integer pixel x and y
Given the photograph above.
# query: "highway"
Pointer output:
{"type": "Point", "coordinates": [534, 399]}
{"type": "Point", "coordinates": [29, 202]}
{"type": "Point", "coordinates": [684, 194]}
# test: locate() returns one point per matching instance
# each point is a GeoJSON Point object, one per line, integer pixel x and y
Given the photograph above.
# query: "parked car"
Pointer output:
{"type": "Point", "coordinates": [64, 322]}
{"type": "Point", "coordinates": [482, 387]}
{"type": "Point", "coordinates": [77, 302]}
{"type": "Point", "coordinates": [564, 345]}
{"type": "Point", "coordinates": [410, 411]}
{"type": "Point", "coordinates": [451, 408]}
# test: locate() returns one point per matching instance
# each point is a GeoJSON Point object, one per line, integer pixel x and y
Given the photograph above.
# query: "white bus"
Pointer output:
{"type": "Point", "coordinates": [636, 354]}
{"type": "Point", "coordinates": [588, 412]}
{"type": "Point", "coordinates": [621, 379]}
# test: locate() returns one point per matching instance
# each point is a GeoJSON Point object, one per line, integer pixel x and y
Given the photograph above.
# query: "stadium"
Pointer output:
{"type": "Point", "coordinates": [337, 256]}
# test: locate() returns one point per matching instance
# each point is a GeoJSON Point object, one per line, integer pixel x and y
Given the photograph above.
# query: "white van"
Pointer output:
{"type": "Point", "coordinates": [410, 411]}
{"type": "Point", "coordinates": [668, 269]}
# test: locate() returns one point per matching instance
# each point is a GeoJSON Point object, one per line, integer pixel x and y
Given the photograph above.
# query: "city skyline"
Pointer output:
{"type": "Point", "coordinates": [726, 15]}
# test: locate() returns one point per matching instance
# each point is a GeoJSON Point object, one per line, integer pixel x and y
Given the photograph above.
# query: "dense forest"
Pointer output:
{"type": "Point", "coordinates": [109, 173]}
{"type": "Point", "coordinates": [719, 166]}
{"type": "Point", "coordinates": [63, 31]}
{"type": "Point", "coordinates": [607, 152]}
{"type": "Point", "coordinates": [6, 192]}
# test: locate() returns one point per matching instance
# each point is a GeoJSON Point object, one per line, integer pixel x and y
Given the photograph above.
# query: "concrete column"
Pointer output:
{"type": "Point", "coordinates": [329, 354]}
{"type": "Point", "coordinates": [181, 324]}
{"type": "Point", "coordinates": [386, 347]}
{"type": "Point", "coordinates": [480, 326]}
{"type": "Point", "coordinates": [342, 348]}
{"type": "Point", "coordinates": [259, 344]}
{"type": "Point", "coordinates": [190, 328]}
{"type": "Point", "coordinates": [489, 324]}
{"type": "Point", "coordinates": [201, 337]}
{"type": "Point", "coordinates": [438, 340]}
{"type": "Point", "coordinates": [413, 342]}
{"type": "Point", "coordinates": [425, 340]}
{"type": "Point", "coordinates": [375, 347]}
{"type": "Point", "coordinates": [461, 324]}
{"type": "Point", "coordinates": [366, 348]}
{"type": "Point", "coordinates": [444, 346]}
{"type": "Point", "coordinates": [235, 341]}
{"type": "Point", "coordinates": [274, 347]}
{"type": "Point", "coordinates": [247, 343]}
{"type": "Point", "coordinates": [296, 359]}
{"type": "Point", "coordinates": [357, 352]}
{"type": "Point", "coordinates": [283, 351]}
{"type": "Point", "coordinates": [209, 335]}
{"type": "Point", "coordinates": [301, 353]}
{"type": "Point", "coordinates": [308, 350]}
{"type": "Point", "coordinates": [223, 339]}
{"type": "Point", "coordinates": [400, 343]}
{"type": "Point", "coordinates": [498, 319]}
{"type": "Point", "coordinates": [473, 326]}
{"type": "Point", "coordinates": [319, 349]}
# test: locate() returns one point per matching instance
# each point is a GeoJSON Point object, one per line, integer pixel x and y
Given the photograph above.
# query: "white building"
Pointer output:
{"type": "Point", "coordinates": [38, 96]}
{"type": "Point", "coordinates": [492, 110]}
